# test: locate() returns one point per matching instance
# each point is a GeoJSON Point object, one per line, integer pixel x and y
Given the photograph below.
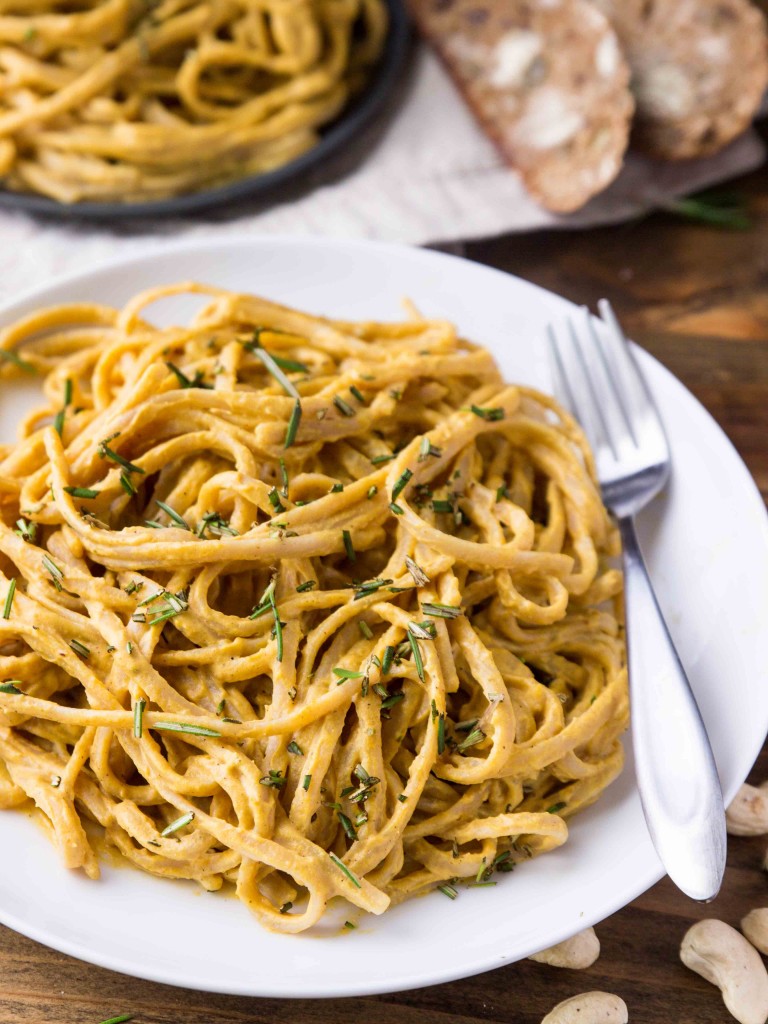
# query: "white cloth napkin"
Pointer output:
{"type": "Point", "coordinates": [427, 175]}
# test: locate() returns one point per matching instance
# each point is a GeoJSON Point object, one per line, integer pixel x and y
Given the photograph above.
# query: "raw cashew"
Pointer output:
{"type": "Point", "coordinates": [755, 927]}
{"type": "Point", "coordinates": [578, 952]}
{"type": "Point", "coordinates": [748, 813]}
{"type": "Point", "coordinates": [589, 1008]}
{"type": "Point", "coordinates": [721, 955]}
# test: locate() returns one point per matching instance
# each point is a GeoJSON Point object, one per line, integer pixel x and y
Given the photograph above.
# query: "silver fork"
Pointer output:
{"type": "Point", "coordinates": [596, 377]}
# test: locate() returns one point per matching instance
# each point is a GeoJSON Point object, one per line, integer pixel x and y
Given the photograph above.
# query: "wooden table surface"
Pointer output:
{"type": "Point", "coordinates": [697, 298]}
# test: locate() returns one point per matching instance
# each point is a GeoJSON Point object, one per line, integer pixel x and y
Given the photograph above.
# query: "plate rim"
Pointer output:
{"type": "Point", "coordinates": [414, 979]}
{"type": "Point", "coordinates": [361, 113]}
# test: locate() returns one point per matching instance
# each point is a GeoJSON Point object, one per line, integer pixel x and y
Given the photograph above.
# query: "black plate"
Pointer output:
{"type": "Point", "coordinates": [340, 133]}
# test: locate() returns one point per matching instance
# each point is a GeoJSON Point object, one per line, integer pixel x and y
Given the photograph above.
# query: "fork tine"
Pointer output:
{"type": "Point", "coordinates": [568, 370]}
{"type": "Point", "coordinates": [599, 400]}
{"type": "Point", "coordinates": [561, 386]}
{"type": "Point", "coordinates": [625, 372]}
{"type": "Point", "coordinates": [613, 393]}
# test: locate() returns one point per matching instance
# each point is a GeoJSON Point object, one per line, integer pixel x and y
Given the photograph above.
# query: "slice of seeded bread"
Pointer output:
{"type": "Point", "coordinates": [699, 70]}
{"type": "Point", "coordinates": [548, 82]}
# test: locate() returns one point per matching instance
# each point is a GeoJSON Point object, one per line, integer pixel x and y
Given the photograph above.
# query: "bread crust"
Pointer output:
{"type": "Point", "coordinates": [548, 82]}
{"type": "Point", "coordinates": [699, 71]}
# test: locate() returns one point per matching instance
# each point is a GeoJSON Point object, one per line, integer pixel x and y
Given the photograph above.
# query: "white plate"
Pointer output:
{"type": "Point", "coordinates": [707, 543]}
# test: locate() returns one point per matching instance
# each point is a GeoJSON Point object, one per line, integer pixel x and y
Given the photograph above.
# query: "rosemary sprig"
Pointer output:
{"type": "Point", "coordinates": [189, 382]}
{"type": "Point", "coordinates": [82, 492]}
{"type": "Point", "coordinates": [305, 586]}
{"type": "Point", "coordinates": [105, 452]}
{"type": "Point", "coordinates": [357, 393]}
{"type": "Point", "coordinates": [348, 546]}
{"type": "Point", "coordinates": [174, 826]}
{"type": "Point", "coordinates": [417, 659]}
{"type": "Point", "coordinates": [54, 571]}
{"type": "Point", "coordinates": [58, 422]}
{"type": "Point", "coordinates": [724, 209]}
{"type": "Point", "coordinates": [138, 717]}
{"type": "Point", "coordinates": [401, 483]}
{"type": "Point", "coordinates": [488, 414]}
{"type": "Point", "coordinates": [293, 425]}
{"type": "Point", "coordinates": [347, 673]}
{"type": "Point", "coordinates": [345, 870]}
{"type": "Point", "coordinates": [274, 779]}
{"type": "Point", "coordinates": [80, 649]}
{"type": "Point", "coordinates": [285, 483]}
{"type": "Point", "coordinates": [8, 356]}
{"type": "Point", "coordinates": [441, 611]}
{"type": "Point", "coordinates": [10, 686]}
{"type": "Point", "coordinates": [379, 460]}
{"type": "Point", "coordinates": [172, 514]}
{"type": "Point", "coordinates": [26, 530]}
{"type": "Point", "coordinates": [420, 578]}
{"type": "Point", "coordinates": [448, 890]}
{"type": "Point", "coordinates": [9, 599]}
{"type": "Point", "coordinates": [344, 407]}
{"type": "Point", "coordinates": [427, 449]}
{"type": "Point", "coordinates": [556, 808]}
{"type": "Point", "coordinates": [294, 748]}
{"type": "Point", "coordinates": [193, 730]}
{"type": "Point", "coordinates": [270, 364]}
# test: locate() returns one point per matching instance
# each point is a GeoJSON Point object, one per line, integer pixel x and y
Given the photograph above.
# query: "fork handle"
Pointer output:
{"type": "Point", "coordinates": [676, 772]}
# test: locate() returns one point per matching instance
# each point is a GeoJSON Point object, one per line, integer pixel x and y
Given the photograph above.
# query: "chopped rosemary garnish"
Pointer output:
{"type": "Point", "coordinates": [364, 628]}
{"type": "Point", "coordinates": [290, 365]}
{"type": "Point", "coordinates": [105, 452]}
{"type": "Point", "coordinates": [271, 365]}
{"type": "Point", "coordinates": [556, 808]}
{"type": "Point", "coordinates": [178, 823]}
{"type": "Point", "coordinates": [448, 890]}
{"type": "Point", "coordinates": [402, 798]}
{"type": "Point", "coordinates": [426, 448]}
{"type": "Point", "coordinates": [401, 483]}
{"type": "Point", "coordinates": [721, 208]}
{"type": "Point", "coordinates": [172, 514]}
{"type": "Point", "coordinates": [346, 824]}
{"type": "Point", "coordinates": [285, 483]}
{"type": "Point", "coordinates": [305, 586]}
{"type": "Point", "coordinates": [286, 907]}
{"type": "Point", "coordinates": [469, 741]}
{"type": "Point", "coordinates": [441, 611]}
{"type": "Point", "coordinates": [294, 748]}
{"type": "Point", "coordinates": [420, 578]}
{"type": "Point", "coordinates": [55, 572]}
{"type": "Point", "coordinates": [467, 726]}
{"type": "Point", "coordinates": [58, 422]}
{"type": "Point", "coordinates": [395, 509]}
{"type": "Point", "coordinates": [216, 525]}
{"type": "Point", "coordinates": [391, 699]}
{"type": "Point", "coordinates": [488, 414]}
{"type": "Point", "coordinates": [347, 673]}
{"type": "Point", "coordinates": [357, 394]}
{"type": "Point", "coordinates": [343, 868]}
{"type": "Point", "coordinates": [8, 356]}
{"type": "Point", "coordinates": [9, 599]}
{"type": "Point", "coordinates": [189, 382]}
{"type": "Point", "coordinates": [127, 484]}
{"type": "Point", "coordinates": [82, 492]}
{"type": "Point", "coordinates": [422, 630]}
{"type": "Point", "coordinates": [337, 488]}
{"type": "Point", "coordinates": [174, 605]}
{"type": "Point", "coordinates": [442, 505]}
{"type": "Point", "coordinates": [372, 490]}
{"type": "Point", "coordinates": [441, 733]}
{"type": "Point", "coordinates": [80, 649]}
{"type": "Point", "coordinates": [10, 686]}
{"type": "Point", "coordinates": [369, 587]}
{"type": "Point", "coordinates": [275, 779]}
{"type": "Point", "coordinates": [193, 730]}
{"type": "Point", "coordinates": [417, 660]}
{"type": "Point", "coordinates": [501, 492]}
{"type": "Point", "coordinates": [387, 659]}
{"type": "Point", "coordinates": [293, 425]}
{"type": "Point", "coordinates": [348, 546]}
{"type": "Point", "coordinates": [344, 407]}
{"type": "Point", "coordinates": [274, 500]}
{"type": "Point", "coordinates": [26, 530]}
{"type": "Point", "coordinates": [379, 460]}
{"type": "Point", "coordinates": [350, 925]}
{"type": "Point", "coordinates": [278, 626]}
{"type": "Point", "coordinates": [138, 717]}
{"type": "Point", "coordinates": [306, 782]}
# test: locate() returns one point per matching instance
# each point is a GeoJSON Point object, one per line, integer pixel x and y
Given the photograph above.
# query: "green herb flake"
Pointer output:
{"type": "Point", "coordinates": [80, 649]}
{"type": "Point", "coordinates": [345, 870]}
{"type": "Point", "coordinates": [306, 586]}
{"type": "Point", "coordinates": [270, 364]}
{"type": "Point", "coordinates": [183, 727]}
{"type": "Point", "coordinates": [306, 782]}
{"type": "Point", "coordinates": [337, 488]}
{"type": "Point", "coordinates": [491, 415]}
{"type": "Point", "coordinates": [401, 483]}
{"type": "Point", "coordinates": [294, 748]}
{"type": "Point", "coordinates": [379, 460]}
{"type": "Point", "coordinates": [293, 425]}
{"type": "Point", "coordinates": [441, 611]}
{"type": "Point", "coordinates": [189, 382]}
{"type": "Point", "coordinates": [556, 808]}
{"type": "Point", "coordinates": [274, 779]}
{"type": "Point", "coordinates": [348, 546]}
{"type": "Point", "coordinates": [420, 578]}
{"type": "Point", "coordinates": [344, 407]}
{"type": "Point", "coordinates": [105, 452]}
{"type": "Point", "coordinates": [274, 500]}
{"type": "Point", "coordinates": [11, 686]}
{"type": "Point", "coordinates": [350, 925]}
{"type": "Point", "coordinates": [9, 599]}
{"type": "Point", "coordinates": [395, 509]}
{"type": "Point", "coordinates": [26, 530]}
{"type": "Point", "coordinates": [441, 733]}
{"type": "Point", "coordinates": [346, 673]}
{"type": "Point", "coordinates": [364, 628]}
{"type": "Point", "coordinates": [172, 514]}
{"type": "Point", "coordinates": [372, 490]}
{"type": "Point", "coordinates": [387, 659]}
{"type": "Point", "coordinates": [286, 907]}
{"type": "Point", "coordinates": [54, 571]}
{"type": "Point", "coordinates": [448, 890]}
{"type": "Point", "coordinates": [138, 717]}
{"type": "Point", "coordinates": [82, 492]}
{"type": "Point", "coordinates": [7, 356]}
{"type": "Point", "coordinates": [346, 824]}
{"type": "Point", "coordinates": [476, 736]}
{"type": "Point", "coordinates": [174, 826]}
{"type": "Point", "coordinates": [284, 482]}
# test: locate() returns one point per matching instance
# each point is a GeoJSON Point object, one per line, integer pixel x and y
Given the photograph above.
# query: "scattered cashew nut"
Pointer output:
{"type": "Point", "coordinates": [721, 955]}
{"type": "Point", "coordinates": [755, 927]}
{"type": "Point", "coordinates": [748, 813]}
{"type": "Point", "coordinates": [589, 1008]}
{"type": "Point", "coordinates": [578, 952]}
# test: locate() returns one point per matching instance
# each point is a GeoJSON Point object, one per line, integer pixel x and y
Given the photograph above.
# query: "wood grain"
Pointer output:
{"type": "Point", "coordinates": [697, 298]}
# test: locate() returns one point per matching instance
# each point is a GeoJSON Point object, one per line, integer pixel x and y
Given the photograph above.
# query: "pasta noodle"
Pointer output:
{"type": "Point", "coordinates": [129, 100]}
{"type": "Point", "coordinates": [310, 607]}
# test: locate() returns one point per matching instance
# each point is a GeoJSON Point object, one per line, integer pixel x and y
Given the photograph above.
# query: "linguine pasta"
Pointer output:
{"type": "Point", "coordinates": [134, 100]}
{"type": "Point", "coordinates": [309, 607]}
